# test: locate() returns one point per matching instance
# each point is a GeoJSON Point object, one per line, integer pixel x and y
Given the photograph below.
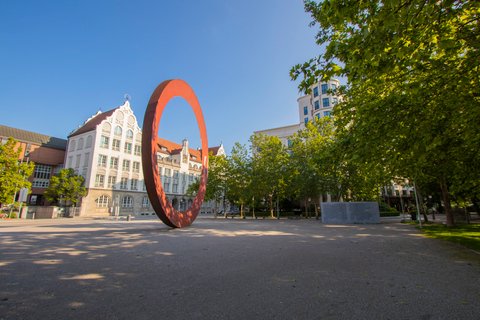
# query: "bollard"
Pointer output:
{"type": "Point", "coordinates": [128, 217]}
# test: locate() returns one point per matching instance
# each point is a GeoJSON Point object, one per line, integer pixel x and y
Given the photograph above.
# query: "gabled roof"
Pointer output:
{"type": "Point", "coordinates": [213, 150]}
{"type": "Point", "coordinates": [91, 124]}
{"type": "Point", "coordinates": [33, 138]}
{"type": "Point", "coordinates": [175, 148]}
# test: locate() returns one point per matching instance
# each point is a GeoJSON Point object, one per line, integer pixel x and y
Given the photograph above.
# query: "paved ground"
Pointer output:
{"type": "Point", "coordinates": [231, 269]}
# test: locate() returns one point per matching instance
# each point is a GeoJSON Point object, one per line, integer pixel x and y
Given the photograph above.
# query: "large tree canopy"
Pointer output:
{"type": "Point", "coordinates": [413, 98]}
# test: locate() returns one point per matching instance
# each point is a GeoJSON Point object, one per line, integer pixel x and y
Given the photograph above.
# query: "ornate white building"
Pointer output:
{"type": "Point", "coordinates": [106, 151]}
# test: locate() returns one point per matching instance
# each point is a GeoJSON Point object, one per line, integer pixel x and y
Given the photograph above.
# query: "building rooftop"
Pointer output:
{"type": "Point", "coordinates": [92, 123]}
{"type": "Point", "coordinates": [33, 138]}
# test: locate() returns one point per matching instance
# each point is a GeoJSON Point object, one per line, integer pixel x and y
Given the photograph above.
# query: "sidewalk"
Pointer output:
{"type": "Point", "coordinates": [232, 269]}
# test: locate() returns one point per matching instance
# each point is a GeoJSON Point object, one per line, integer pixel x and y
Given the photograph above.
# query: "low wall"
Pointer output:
{"type": "Point", "coordinates": [350, 212]}
{"type": "Point", "coordinates": [45, 213]}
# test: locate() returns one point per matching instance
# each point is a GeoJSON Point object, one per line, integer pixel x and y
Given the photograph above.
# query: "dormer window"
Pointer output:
{"type": "Point", "coordinates": [118, 130]}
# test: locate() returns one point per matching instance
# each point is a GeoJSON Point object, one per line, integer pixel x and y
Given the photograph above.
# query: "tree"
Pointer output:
{"type": "Point", "coordinates": [269, 167]}
{"type": "Point", "coordinates": [239, 176]}
{"type": "Point", "coordinates": [65, 186]}
{"type": "Point", "coordinates": [13, 172]}
{"type": "Point", "coordinates": [323, 163]}
{"type": "Point", "coordinates": [216, 182]}
{"type": "Point", "coordinates": [413, 97]}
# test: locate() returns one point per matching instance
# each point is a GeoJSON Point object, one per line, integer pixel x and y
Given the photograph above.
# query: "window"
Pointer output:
{"type": "Point", "coordinates": [103, 142]}
{"type": "Point", "coordinates": [111, 182]}
{"type": "Point", "coordinates": [40, 184]}
{"type": "Point", "coordinates": [133, 184]}
{"type": "Point", "coordinates": [315, 92]}
{"type": "Point", "coordinates": [128, 147]}
{"type": "Point", "coordinates": [87, 158]}
{"type": "Point", "coordinates": [42, 171]}
{"type": "Point", "coordinates": [28, 148]}
{"type": "Point", "coordinates": [80, 144]}
{"type": "Point", "coordinates": [99, 178]}
{"type": "Point", "coordinates": [168, 172]}
{"type": "Point", "coordinates": [305, 111]}
{"type": "Point", "coordinates": [190, 177]}
{"type": "Point", "coordinates": [103, 201]}
{"type": "Point", "coordinates": [102, 160]}
{"type": "Point", "coordinates": [138, 150]}
{"type": "Point", "coordinates": [145, 202]}
{"type": "Point", "coordinates": [77, 163]}
{"type": "Point", "coordinates": [333, 86]}
{"type": "Point", "coordinates": [306, 120]}
{"type": "Point", "coordinates": [335, 101]}
{"type": "Point", "coordinates": [166, 187]}
{"type": "Point", "coordinates": [113, 163]}
{"type": "Point", "coordinates": [116, 145]}
{"type": "Point", "coordinates": [136, 166]}
{"type": "Point", "coordinates": [318, 116]}
{"type": "Point", "coordinates": [324, 88]}
{"type": "Point", "coordinates": [175, 188]}
{"type": "Point", "coordinates": [126, 165]}
{"type": "Point", "coordinates": [326, 113]}
{"type": "Point", "coordinates": [127, 202]}
{"type": "Point", "coordinates": [129, 134]}
{"type": "Point", "coordinates": [118, 130]}
{"type": "Point", "coordinates": [326, 102]}
{"type": "Point", "coordinates": [175, 174]}
{"type": "Point", "coordinates": [317, 105]}
{"type": "Point", "coordinates": [123, 183]}
{"type": "Point", "coordinates": [144, 186]}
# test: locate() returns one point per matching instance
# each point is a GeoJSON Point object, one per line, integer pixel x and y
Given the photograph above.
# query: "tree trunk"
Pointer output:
{"type": "Point", "coordinates": [278, 206]}
{"type": "Point", "coordinates": [271, 206]}
{"type": "Point", "coordinates": [446, 204]}
{"type": "Point", "coordinates": [215, 209]}
{"type": "Point", "coordinates": [420, 201]}
{"type": "Point", "coordinates": [316, 210]}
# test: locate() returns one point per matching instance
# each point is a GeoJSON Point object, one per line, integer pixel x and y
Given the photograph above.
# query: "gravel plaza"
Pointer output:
{"type": "Point", "coordinates": [92, 268]}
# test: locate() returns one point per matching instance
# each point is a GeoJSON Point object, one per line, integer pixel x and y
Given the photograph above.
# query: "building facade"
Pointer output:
{"type": "Point", "coordinates": [46, 152]}
{"type": "Point", "coordinates": [319, 103]}
{"type": "Point", "coordinates": [106, 151]}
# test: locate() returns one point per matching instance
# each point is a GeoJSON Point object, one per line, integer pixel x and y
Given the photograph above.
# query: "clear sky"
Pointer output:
{"type": "Point", "coordinates": [62, 61]}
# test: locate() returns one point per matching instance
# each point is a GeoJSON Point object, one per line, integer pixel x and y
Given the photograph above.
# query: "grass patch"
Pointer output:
{"type": "Point", "coordinates": [467, 235]}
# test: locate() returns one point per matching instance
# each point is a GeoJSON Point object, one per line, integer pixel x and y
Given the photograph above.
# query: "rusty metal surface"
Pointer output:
{"type": "Point", "coordinates": [159, 99]}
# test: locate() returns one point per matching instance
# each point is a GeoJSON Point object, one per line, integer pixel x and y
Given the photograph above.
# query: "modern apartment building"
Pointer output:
{"type": "Point", "coordinates": [319, 103]}
{"type": "Point", "coordinates": [106, 151]}
{"type": "Point", "coordinates": [46, 152]}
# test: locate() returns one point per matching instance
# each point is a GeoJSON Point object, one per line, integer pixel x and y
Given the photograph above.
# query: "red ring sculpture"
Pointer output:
{"type": "Point", "coordinates": [161, 96]}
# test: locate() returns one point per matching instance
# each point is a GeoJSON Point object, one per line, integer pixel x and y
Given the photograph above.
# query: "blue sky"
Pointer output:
{"type": "Point", "coordinates": [62, 61]}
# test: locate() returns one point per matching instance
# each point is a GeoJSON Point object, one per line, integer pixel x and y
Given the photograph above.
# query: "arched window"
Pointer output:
{"type": "Point", "coordinates": [127, 202]}
{"type": "Point", "coordinates": [129, 134]}
{"type": "Point", "coordinates": [118, 130]}
{"type": "Point", "coordinates": [72, 145]}
{"type": "Point", "coordinates": [103, 201]}
{"type": "Point", "coordinates": [89, 142]}
{"type": "Point", "coordinates": [145, 202]}
{"type": "Point", "coordinates": [80, 144]}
